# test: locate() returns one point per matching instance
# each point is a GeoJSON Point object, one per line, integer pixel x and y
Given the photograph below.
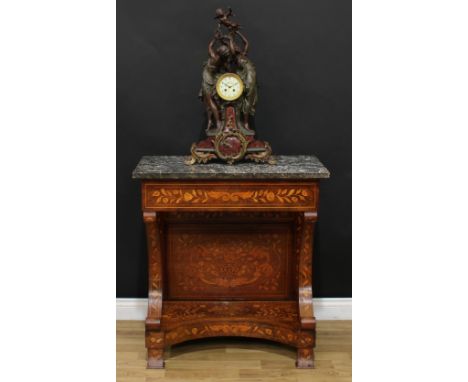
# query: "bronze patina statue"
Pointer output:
{"type": "Point", "coordinates": [229, 92]}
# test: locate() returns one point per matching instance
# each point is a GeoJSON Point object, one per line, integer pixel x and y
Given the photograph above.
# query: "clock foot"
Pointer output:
{"type": "Point", "coordinates": [198, 156]}
{"type": "Point", "coordinates": [190, 160]}
{"type": "Point", "coordinates": [262, 156]}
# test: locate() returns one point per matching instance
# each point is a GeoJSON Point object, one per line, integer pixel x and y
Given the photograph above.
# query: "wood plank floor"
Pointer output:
{"type": "Point", "coordinates": [232, 359]}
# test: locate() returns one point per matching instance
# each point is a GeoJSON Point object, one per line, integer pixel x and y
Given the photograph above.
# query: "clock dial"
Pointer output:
{"type": "Point", "coordinates": [229, 86]}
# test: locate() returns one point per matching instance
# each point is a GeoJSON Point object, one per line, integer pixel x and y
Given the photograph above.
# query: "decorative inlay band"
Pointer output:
{"type": "Point", "coordinates": [202, 196]}
{"type": "Point", "coordinates": [219, 196]}
{"type": "Point", "coordinates": [239, 329]}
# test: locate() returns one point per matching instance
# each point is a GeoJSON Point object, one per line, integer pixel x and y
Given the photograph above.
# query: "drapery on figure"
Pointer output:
{"type": "Point", "coordinates": [228, 56]}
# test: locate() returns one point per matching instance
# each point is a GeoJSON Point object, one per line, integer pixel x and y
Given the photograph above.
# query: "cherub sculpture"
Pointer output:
{"type": "Point", "coordinates": [223, 18]}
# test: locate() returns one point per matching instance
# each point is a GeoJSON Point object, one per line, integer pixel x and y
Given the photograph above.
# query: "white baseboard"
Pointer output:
{"type": "Point", "coordinates": [325, 308]}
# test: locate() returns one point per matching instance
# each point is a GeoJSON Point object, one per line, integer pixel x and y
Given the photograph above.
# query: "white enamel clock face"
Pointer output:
{"type": "Point", "coordinates": [229, 86]}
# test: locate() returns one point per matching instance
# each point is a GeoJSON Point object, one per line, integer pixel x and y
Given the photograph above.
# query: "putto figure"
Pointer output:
{"type": "Point", "coordinates": [229, 93]}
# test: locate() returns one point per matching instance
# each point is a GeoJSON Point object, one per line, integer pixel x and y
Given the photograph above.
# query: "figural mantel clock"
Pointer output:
{"type": "Point", "coordinates": [229, 92]}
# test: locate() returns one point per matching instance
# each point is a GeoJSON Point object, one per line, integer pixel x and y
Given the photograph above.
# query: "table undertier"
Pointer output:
{"type": "Point", "coordinates": [177, 312]}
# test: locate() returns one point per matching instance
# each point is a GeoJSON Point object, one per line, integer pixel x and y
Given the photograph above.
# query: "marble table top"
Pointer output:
{"type": "Point", "coordinates": [174, 167]}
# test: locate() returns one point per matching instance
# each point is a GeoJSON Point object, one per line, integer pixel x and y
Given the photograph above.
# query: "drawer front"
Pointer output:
{"type": "Point", "coordinates": [229, 196]}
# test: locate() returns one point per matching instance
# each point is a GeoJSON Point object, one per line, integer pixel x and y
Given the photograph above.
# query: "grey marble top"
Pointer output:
{"type": "Point", "coordinates": [287, 167]}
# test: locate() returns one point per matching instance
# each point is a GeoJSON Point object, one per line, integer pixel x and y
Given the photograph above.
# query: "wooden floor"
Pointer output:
{"type": "Point", "coordinates": [233, 359]}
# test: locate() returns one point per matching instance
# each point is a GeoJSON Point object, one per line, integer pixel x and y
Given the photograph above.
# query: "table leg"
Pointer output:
{"type": "Point", "coordinates": [306, 224]}
{"type": "Point", "coordinates": [154, 335]}
{"type": "Point", "coordinates": [305, 358]}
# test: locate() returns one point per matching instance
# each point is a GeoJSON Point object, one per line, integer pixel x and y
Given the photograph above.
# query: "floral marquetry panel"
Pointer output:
{"type": "Point", "coordinates": [234, 196]}
{"type": "Point", "coordinates": [230, 262]}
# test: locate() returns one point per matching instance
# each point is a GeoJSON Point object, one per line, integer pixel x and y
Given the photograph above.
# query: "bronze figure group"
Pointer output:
{"type": "Point", "coordinates": [229, 93]}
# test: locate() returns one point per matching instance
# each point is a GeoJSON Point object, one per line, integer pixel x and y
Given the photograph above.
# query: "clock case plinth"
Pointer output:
{"type": "Point", "coordinates": [229, 136]}
{"type": "Point", "coordinates": [231, 141]}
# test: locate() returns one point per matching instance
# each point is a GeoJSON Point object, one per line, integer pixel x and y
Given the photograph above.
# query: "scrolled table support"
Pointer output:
{"type": "Point", "coordinates": [306, 225]}
{"type": "Point", "coordinates": [153, 333]}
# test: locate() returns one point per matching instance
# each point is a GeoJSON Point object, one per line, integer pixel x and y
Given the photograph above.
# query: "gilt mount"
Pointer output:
{"type": "Point", "coordinates": [229, 93]}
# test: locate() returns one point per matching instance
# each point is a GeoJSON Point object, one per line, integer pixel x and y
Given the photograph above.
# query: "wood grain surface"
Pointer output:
{"type": "Point", "coordinates": [234, 359]}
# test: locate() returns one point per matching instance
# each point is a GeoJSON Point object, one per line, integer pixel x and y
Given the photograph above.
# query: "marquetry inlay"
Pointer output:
{"type": "Point", "coordinates": [166, 196]}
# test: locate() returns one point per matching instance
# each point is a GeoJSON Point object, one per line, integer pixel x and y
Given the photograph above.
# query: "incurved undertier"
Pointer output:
{"type": "Point", "coordinates": [190, 320]}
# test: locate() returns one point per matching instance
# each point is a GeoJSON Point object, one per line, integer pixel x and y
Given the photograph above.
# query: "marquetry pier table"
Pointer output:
{"type": "Point", "coordinates": [230, 251]}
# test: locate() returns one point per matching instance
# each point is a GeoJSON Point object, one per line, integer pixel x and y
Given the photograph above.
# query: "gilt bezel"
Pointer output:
{"type": "Point", "coordinates": [218, 84]}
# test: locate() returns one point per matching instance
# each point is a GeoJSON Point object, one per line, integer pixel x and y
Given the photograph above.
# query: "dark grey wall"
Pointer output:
{"type": "Point", "coordinates": [302, 52]}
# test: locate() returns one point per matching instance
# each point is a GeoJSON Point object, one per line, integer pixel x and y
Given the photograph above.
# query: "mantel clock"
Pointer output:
{"type": "Point", "coordinates": [229, 93]}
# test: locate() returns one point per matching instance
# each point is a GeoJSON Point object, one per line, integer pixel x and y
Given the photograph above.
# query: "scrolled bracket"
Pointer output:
{"type": "Point", "coordinates": [306, 231]}
{"type": "Point", "coordinates": [155, 292]}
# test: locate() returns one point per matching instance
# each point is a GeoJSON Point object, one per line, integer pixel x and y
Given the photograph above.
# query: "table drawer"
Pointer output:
{"type": "Point", "coordinates": [164, 196]}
